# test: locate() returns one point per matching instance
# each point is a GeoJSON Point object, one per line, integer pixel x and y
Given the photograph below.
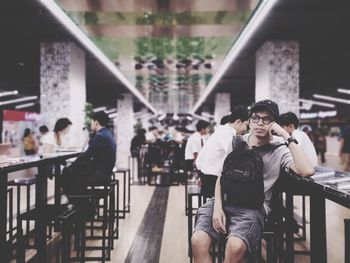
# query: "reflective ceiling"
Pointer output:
{"type": "Point", "coordinates": [168, 49]}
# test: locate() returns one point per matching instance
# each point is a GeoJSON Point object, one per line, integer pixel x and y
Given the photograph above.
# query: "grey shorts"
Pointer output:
{"type": "Point", "coordinates": [244, 223]}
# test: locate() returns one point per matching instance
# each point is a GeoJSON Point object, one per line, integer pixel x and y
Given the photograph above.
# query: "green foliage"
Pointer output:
{"type": "Point", "coordinates": [88, 114]}
{"type": "Point", "coordinates": [91, 18]}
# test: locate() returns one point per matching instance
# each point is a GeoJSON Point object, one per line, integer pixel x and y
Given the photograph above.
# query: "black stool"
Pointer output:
{"type": "Point", "coordinates": [49, 215]}
{"type": "Point", "coordinates": [347, 239]}
{"type": "Point", "coordinates": [126, 185]}
{"type": "Point", "coordinates": [106, 193]}
{"type": "Point", "coordinates": [18, 183]}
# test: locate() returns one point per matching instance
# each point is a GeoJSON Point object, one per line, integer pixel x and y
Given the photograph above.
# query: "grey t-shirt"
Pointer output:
{"type": "Point", "coordinates": [274, 161]}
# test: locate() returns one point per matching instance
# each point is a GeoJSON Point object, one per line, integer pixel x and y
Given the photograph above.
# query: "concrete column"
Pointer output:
{"type": "Point", "coordinates": [63, 87]}
{"type": "Point", "coordinates": [277, 74]}
{"type": "Point", "coordinates": [222, 106]}
{"type": "Point", "coordinates": [124, 125]}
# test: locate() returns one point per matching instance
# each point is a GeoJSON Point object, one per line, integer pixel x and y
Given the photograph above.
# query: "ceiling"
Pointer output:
{"type": "Point", "coordinates": [322, 30]}
{"type": "Point", "coordinates": [24, 25]}
{"type": "Point", "coordinates": [168, 49]}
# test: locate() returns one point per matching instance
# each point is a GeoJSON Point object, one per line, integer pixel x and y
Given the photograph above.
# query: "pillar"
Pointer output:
{"type": "Point", "coordinates": [222, 106]}
{"type": "Point", "coordinates": [124, 125]}
{"type": "Point", "coordinates": [63, 87]}
{"type": "Point", "coordinates": [277, 74]}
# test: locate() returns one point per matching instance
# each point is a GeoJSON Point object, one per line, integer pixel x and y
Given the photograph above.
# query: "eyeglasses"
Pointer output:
{"type": "Point", "coordinates": [265, 120]}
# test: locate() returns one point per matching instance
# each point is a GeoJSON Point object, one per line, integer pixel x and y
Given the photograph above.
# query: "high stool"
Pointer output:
{"type": "Point", "coordinates": [347, 239]}
{"type": "Point", "coordinates": [48, 215]}
{"type": "Point", "coordinates": [106, 193]}
{"type": "Point", "coordinates": [126, 185]}
{"type": "Point", "coordinates": [18, 183]}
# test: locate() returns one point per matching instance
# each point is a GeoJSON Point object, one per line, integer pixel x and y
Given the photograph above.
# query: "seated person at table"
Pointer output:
{"type": "Point", "coordinates": [290, 122]}
{"type": "Point", "coordinates": [240, 220]}
{"type": "Point", "coordinates": [52, 141]}
{"type": "Point", "coordinates": [95, 165]}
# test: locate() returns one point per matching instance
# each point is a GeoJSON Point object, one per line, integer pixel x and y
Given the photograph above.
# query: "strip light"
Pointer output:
{"type": "Point", "coordinates": [199, 117]}
{"type": "Point", "coordinates": [99, 109]}
{"type": "Point", "coordinates": [8, 93]}
{"type": "Point", "coordinates": [25, 105]}
{"type": "Point", "coordinates": [113, 115]}
{"type": "Point", "coordinates": [76, 31]}
{"type": "Point", "coordinates": [346, 91]}
{"type": "Point", "coordinates": [256, 20]}
{"type": "Point", "coordinates": [7, 102]}
{"type": "Point", "coordinates": [110, 111]}
{"type": "Point", "coordinates": [318, 96]}
{"type": "Point", "coordinates": [314, 102]}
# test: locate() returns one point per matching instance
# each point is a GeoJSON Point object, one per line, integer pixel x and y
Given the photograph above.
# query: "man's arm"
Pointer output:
{"type": "Point", "coordinates": [91, 151]}
{"type": "Point", "coordinates": [301, 165]}
{"type": "Point", "coordinates": [219, 218]}
{"type": "Point", "coordinates": [341, 145]}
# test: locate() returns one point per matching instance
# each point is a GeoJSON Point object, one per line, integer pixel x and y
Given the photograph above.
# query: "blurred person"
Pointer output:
{"type": "Point", "coordinates": [290, 123]}
{"type": "Point", "coordinates": [195, 143]}
{"type": "Point", "coordinates": [152, 134]}
{"type": "Point", "coordinates": [344, 148]}
{"type": "Point", "coordinates": [225, 119]}
{"type": "Point", "coordinates": [136, 142]}
{"type": "Point", "coordinates": [43, 130]}
{"type": "Point", "coordinates": [321, 144]}
{"type": "Point", "coordinates": [52, 141]}
{"type": "Point", "coordinates": [211, 158]}
{"type": "Point", "coordinates": [29, 143]}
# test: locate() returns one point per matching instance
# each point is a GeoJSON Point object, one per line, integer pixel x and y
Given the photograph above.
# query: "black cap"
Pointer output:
{"type": "Point", "coordinates": [266, 105]}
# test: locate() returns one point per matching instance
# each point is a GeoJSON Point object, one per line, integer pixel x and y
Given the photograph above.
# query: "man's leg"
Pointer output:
{"type": "Point", "coordinates": [201, 243]}
{"type": "Point", "coordinates": [235, 250]}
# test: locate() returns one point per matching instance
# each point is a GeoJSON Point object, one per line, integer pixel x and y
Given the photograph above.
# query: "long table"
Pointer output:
{"type": "Point", "coordinates": [325, 184]}
{"type": "Point", "coordinates": [44, 164]}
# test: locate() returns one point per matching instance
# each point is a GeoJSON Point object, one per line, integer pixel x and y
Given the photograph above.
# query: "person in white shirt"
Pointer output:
{"type": "Point", "coordinates": [152, 134]}
{"type": "Point", "coordinates": [195, 143]}
{"type": "Point", "coordinates": [52, 141]}
{"type": "Point", "coordinates": [211, 158]}
{"type": "Point", "coordinates": [290, 122]}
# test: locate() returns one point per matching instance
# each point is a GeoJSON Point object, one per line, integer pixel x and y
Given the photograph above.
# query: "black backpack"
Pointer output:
{"type": "Point", "coordinates": [242, 180]}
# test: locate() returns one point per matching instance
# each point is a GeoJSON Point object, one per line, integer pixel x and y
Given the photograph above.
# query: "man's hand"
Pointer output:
{"type": "Point", "coordinates": [277, 130]}
{"type": "Point", "coordinates": [219, 221]}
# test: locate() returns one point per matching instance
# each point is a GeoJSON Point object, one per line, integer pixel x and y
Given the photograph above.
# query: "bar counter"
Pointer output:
{"type": "Point", "coordinates": [45, 164]}
{"type": "Point", "coordinates": [325, 184]}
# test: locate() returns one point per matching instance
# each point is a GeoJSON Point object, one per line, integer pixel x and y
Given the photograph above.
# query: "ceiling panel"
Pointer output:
{"type": "Point", "coordinates": [168, 49]}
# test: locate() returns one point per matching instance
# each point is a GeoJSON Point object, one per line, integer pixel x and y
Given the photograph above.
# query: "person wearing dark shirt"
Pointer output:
{"type": "Point", "coordinates": [100, 156]}
{"type": "Point", "coordinates": [137, 142]}
{"type": "Point", "coordinates": [344, 152]}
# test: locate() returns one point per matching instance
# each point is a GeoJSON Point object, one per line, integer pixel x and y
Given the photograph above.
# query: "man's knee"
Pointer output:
{"type": "Point", "coordinates": [235, 247]}
{"type": "Point", "coordinates": [200, 242]}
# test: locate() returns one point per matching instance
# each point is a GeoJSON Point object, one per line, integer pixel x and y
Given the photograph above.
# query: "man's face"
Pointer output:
{"type": "Point", "coordinates": [260, 123]}
{"type": "Point", "coordinates": [93, 125]}
{"type": "Point", "coordinates": [204, 131]}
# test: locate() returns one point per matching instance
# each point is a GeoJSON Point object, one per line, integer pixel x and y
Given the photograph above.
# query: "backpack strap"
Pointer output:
{"type": "Point", "coordinates": [237, 142]}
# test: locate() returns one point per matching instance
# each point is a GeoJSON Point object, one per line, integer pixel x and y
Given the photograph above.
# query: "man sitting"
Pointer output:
{"type": "Point", "coordinates": [244, 226]}
{"type": "Point", "coordinates": [95, 165]}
